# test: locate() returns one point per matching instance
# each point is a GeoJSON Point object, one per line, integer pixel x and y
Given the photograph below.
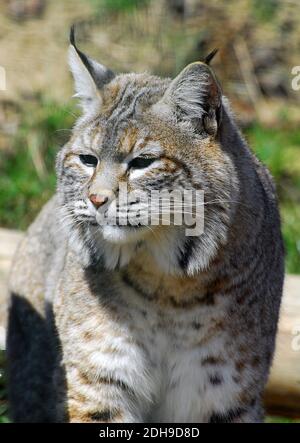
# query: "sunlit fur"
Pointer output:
{"type": "Point", "coordinates": [124, 324]}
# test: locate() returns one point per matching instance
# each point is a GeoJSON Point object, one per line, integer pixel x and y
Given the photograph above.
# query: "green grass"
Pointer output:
{"type": "Point", "coordinates": [3, 402]}
{"type": "Point", "coordinates": [264, 10]}
{"type": "Point", "coordinates": [27, 177]}
{"type": "Point", "coordinates": [116, 6]}
{"type": "Point", "coordinates": [279, 149]}
{"type": "Point", "coordinates": [277, 419]}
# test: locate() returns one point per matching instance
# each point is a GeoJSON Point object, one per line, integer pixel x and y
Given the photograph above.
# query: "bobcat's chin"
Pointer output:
{"type": "Point", "coordinates": [124, 234]}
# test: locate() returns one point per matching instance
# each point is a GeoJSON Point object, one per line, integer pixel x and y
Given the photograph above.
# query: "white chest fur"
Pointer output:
{"type": "Point", "coordinates": [177, 346]}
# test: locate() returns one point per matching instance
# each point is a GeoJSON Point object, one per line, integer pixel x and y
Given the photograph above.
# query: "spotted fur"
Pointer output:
{"type": "Point", "coordinates": [123, 324]}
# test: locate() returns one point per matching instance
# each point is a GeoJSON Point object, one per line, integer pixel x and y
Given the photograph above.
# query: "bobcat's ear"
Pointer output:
{"type": "Point", "coordinates": [195, 95]}
{"type": "Point", "coordinates": [89, 76]}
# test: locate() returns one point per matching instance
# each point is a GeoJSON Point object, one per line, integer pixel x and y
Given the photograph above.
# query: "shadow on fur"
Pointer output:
{"type": "Point", "coordinates": [36, 377]}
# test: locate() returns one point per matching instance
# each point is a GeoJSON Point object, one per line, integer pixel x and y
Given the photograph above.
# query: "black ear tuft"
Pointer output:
{"type": "Point", "coordinates": [87, 72]}
{"type": "Point", "coordinates": [85, 60]}
{"type": "Point", "coordinates": [72, 35]}
{"type": "Point", "coordinates": [210, 56]}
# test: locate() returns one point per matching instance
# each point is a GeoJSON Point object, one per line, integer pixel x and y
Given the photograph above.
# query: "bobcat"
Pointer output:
{"type": "Point", "coordinates": [113, 323]}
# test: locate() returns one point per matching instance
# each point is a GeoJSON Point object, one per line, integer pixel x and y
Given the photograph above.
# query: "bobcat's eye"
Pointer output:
{"type": "Point", "coordinates": [141, 162]}
{"type": "Point", "coordinates": [88, 160]}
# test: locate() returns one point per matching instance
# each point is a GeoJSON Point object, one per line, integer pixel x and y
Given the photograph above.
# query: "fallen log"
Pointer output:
{"type": "Point", "coordinates": [282, 394]}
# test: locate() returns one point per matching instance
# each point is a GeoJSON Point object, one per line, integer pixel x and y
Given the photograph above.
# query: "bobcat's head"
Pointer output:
{"type": "Point", "coordinates": [145, 133]}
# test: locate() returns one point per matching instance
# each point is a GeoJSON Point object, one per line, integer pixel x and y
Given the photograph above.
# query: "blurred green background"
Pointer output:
{"type": "Point", "coordinates": [258, 43]}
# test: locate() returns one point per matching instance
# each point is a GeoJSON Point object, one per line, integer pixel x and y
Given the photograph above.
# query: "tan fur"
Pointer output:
{"type": "Point", "coordinates": [129, 324]}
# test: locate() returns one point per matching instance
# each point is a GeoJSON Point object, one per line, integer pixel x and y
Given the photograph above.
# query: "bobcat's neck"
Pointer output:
{"type": "Point", "coordinates": [145, 275]}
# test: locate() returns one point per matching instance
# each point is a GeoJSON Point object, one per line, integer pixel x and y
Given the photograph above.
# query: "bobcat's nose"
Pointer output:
{"type": "Point", "coordinates": [98, 200]}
